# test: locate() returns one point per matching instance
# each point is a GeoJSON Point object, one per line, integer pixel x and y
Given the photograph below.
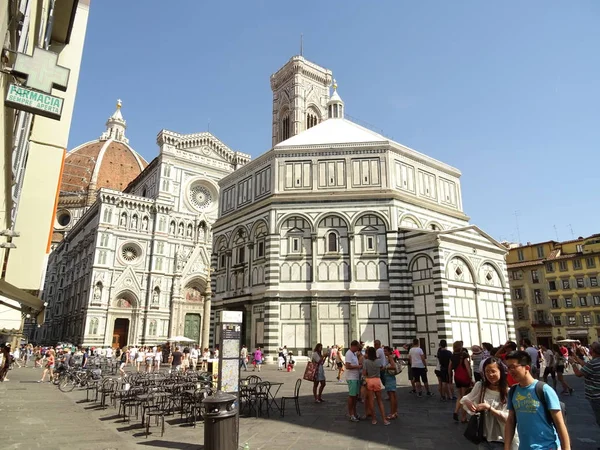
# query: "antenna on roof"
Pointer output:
{"type": "Point", "coordinates": [572, 234]}
{"type": "Point", "coordinates": [209, 125]}
{"type": "Point", "coordinates": [301, 44]}
{"type": "Point", "coordinates": [556, 233]}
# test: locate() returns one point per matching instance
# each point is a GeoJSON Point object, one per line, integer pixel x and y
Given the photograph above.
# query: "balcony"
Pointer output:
{"type": "Point", "coordinates": [541, 323]}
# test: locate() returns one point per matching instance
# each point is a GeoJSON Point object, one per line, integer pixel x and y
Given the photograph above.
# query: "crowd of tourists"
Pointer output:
{"type": "Point", "coordinates": [506, 389]}
{"type": "Point", "coordinates": [503, 387]}
{"type": "Point", "coordinates": [141, 358]}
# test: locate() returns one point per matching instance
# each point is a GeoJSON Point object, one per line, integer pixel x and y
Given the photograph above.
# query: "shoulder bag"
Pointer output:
{"type": "Point", "coordinates": [474, 431]}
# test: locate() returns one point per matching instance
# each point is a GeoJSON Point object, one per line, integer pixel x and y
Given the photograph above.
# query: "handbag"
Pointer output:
{"type": "Point", "coordinates": [310, 373]}
{"type": "Point", "coordinates": [461, 375]}
{"type": "Point", "coordinates": [474, 431]}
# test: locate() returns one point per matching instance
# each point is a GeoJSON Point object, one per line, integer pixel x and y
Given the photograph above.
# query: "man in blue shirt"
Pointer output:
{"type": "Point", "coordinates": [527, 412]}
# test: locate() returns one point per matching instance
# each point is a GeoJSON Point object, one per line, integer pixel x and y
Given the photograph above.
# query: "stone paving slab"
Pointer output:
{"type": "Point", "coordinates": [40, 410]}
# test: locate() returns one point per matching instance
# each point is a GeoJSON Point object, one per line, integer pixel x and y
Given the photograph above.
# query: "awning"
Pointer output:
{"type": "Point", "coordinates": [577, 332]}
{"type": "Point", "coordinates": [30, 302]}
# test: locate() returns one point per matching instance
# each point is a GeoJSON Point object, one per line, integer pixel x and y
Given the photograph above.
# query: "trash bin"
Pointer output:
{"type": "Point", "coordinates": [220, 422]}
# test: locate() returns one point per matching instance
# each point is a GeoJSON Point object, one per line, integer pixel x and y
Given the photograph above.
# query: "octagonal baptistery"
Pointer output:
{"type": "Point", "coordinates": [108, 162]}
{"type": "Point", "coordinates": [339, 233]}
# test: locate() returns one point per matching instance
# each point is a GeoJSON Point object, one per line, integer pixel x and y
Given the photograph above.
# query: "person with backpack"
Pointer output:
{"type": "Point", "coordinates": [460, 367]}
{"type": "Point", "coordinates": [534, 409]}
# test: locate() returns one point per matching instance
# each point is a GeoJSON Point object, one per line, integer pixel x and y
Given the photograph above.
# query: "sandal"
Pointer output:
{"type": "Point", "coordinates": [392, 416]}
{"type": "Point", "coordinates": [373, 422]}
{"type": "Point", "coordinates": [387, 422]}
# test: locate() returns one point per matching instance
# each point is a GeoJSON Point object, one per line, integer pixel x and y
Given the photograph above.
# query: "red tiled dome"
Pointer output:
{"type": "Point", "coordinates": [103, 164]}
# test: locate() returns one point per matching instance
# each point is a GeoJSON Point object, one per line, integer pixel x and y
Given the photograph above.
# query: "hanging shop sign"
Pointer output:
{"type": "Point", "coordinates": [25, 99]}
{"type": "Point", "coordinates": [41, 73]}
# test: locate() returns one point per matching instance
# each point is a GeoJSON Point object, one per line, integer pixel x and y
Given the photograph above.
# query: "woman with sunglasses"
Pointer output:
{"type": "Point", "coordinates": [490, 398]}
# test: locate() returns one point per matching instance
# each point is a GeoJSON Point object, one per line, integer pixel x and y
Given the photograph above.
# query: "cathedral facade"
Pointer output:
{"type": "Point", "coordinates": [339, 233]}
{"type": "Point", "coordinates": [132, 243]}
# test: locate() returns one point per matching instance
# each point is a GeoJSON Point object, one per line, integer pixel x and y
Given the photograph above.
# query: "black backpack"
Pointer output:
{"type": "Point", "coordinates": [539, 391]}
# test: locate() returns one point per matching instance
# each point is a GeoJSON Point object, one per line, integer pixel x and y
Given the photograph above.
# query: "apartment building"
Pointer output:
{"type": "Point", "coordinates": [41, 55]}
{"type": "Point", "coordinates": [554, 289]}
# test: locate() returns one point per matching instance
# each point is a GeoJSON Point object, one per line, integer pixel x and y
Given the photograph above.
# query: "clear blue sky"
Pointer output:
{"type": "Point", "coordinates": [508, 92]}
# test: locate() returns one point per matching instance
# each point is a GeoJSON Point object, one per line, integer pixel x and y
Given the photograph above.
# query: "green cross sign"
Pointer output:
{"type": "Point", "coordinates": [42, 71]}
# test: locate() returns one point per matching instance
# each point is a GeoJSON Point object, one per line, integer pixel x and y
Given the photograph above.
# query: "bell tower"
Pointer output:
{"type": "Point", "coordinates": [300, 95]}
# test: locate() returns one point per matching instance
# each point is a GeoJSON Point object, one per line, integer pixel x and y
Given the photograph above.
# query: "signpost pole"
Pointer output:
{"type": "Point", "coordinates": [229, 356]}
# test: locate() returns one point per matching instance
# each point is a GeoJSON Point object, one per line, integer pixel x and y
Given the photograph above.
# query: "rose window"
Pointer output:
{"type": "Point", "coordinates": [130, 253]}
{"type": "Point", "coordinates": [199, 197]}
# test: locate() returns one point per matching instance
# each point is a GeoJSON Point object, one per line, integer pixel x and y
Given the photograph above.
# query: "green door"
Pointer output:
{"type": "Point", "coordinates": [192, 327]}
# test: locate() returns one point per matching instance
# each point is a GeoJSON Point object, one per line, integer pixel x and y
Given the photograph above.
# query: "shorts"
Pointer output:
{"type": "Point", "coordinates": [444, 376]}
{"type": "Point", "coordinates": [353, 387]}
{"type": "Point", "coordinates": [460, 385]}
{"type": "Point", "coordinates": [389, 382]}
{"type": "Point", "coordinates": [339, 364]}
{"type": "Point", "coordinates": [549, 371]}
{"type": "Point", "coordinates": [560, 369]}
{"type": "Point", "coordinates": [122, 365]}
{"type": "Point", "coordinates": [419, 373]}
{"type": "Point", "coordinates": [374, 384]}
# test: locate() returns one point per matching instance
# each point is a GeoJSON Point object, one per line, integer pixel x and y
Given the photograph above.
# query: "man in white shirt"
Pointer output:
{"type": "Point", "coordinates": [533, 352]}
{"type": "Point", "coordinates": [244, 358]}
{"type": "Point", "coordinates": [194, 356]}
{"type": "Point", "coordinates": [109, 352]}
{"type": "Point", "coordinates": [418, 364]}
{"type": "Point", "coordinates": [132, 354]}
{"type": "Point", "coordinates": [353, 369]}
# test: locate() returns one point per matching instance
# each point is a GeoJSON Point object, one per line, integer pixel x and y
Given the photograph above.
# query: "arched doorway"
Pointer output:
{"type": "Point", "coordinates": [120, 333]}
{"type": "Point", "coordinates": [123, 313]}
{"type": "Point", "coordinates": [192, 311]}
{"type": "Point", "coordinates": [192, 326]}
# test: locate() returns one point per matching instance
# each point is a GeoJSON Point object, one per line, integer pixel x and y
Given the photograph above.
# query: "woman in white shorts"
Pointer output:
{"type": "Point", "coordinates": [141, 354]}
{"type": "Point", "coordinates": [149, 360]}
{"type": "Point", "coordinates": [157, 359]}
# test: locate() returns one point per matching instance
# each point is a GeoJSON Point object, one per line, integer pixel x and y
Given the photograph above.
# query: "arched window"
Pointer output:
{"type": "Point", "coordinates": [172, 227]}
{"type": "Point", "coordinates": [93, 329]}
{"type": "Point", "coordinates": [285, 124]}
{"type": "Point", "coordinates": [332, 242]}
{"type": "Point", "coordinates": [152, 328]}
{"type": "Point", "coordinates": [311, 119]}
{"type": "Point", "coordinates": [107, 215]}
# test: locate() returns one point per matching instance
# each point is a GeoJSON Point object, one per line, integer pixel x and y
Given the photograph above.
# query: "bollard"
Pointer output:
{"type": "Point", "coordinates": [220, 422]}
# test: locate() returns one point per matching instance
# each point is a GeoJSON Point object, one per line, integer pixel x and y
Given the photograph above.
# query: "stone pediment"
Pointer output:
{"type": "Point", "coordinates": [198, 263]}
{"type": "Point", "coordinates": [127, 281]}
{"type": "Point", "coordinates": [368, 229]}
{"type": "Point", "coordinates": [296, 230]}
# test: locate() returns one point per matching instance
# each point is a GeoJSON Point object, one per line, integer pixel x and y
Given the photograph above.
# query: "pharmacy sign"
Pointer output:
{"type": "Point", "coordinates": [41, 73]}
{"type": "Point", "coordinates": [26, 99]}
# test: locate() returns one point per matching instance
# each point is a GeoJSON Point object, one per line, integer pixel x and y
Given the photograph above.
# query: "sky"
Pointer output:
{"type": "Point", "coordinates": [508, 92]}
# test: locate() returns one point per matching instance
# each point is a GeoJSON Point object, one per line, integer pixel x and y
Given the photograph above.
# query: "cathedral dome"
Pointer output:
{"type": "Point", "coordinates": [108, 162]}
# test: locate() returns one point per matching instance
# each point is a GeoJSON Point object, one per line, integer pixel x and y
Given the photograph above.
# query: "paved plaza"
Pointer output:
{"type": "Point", "coordinates": [40, 416]}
